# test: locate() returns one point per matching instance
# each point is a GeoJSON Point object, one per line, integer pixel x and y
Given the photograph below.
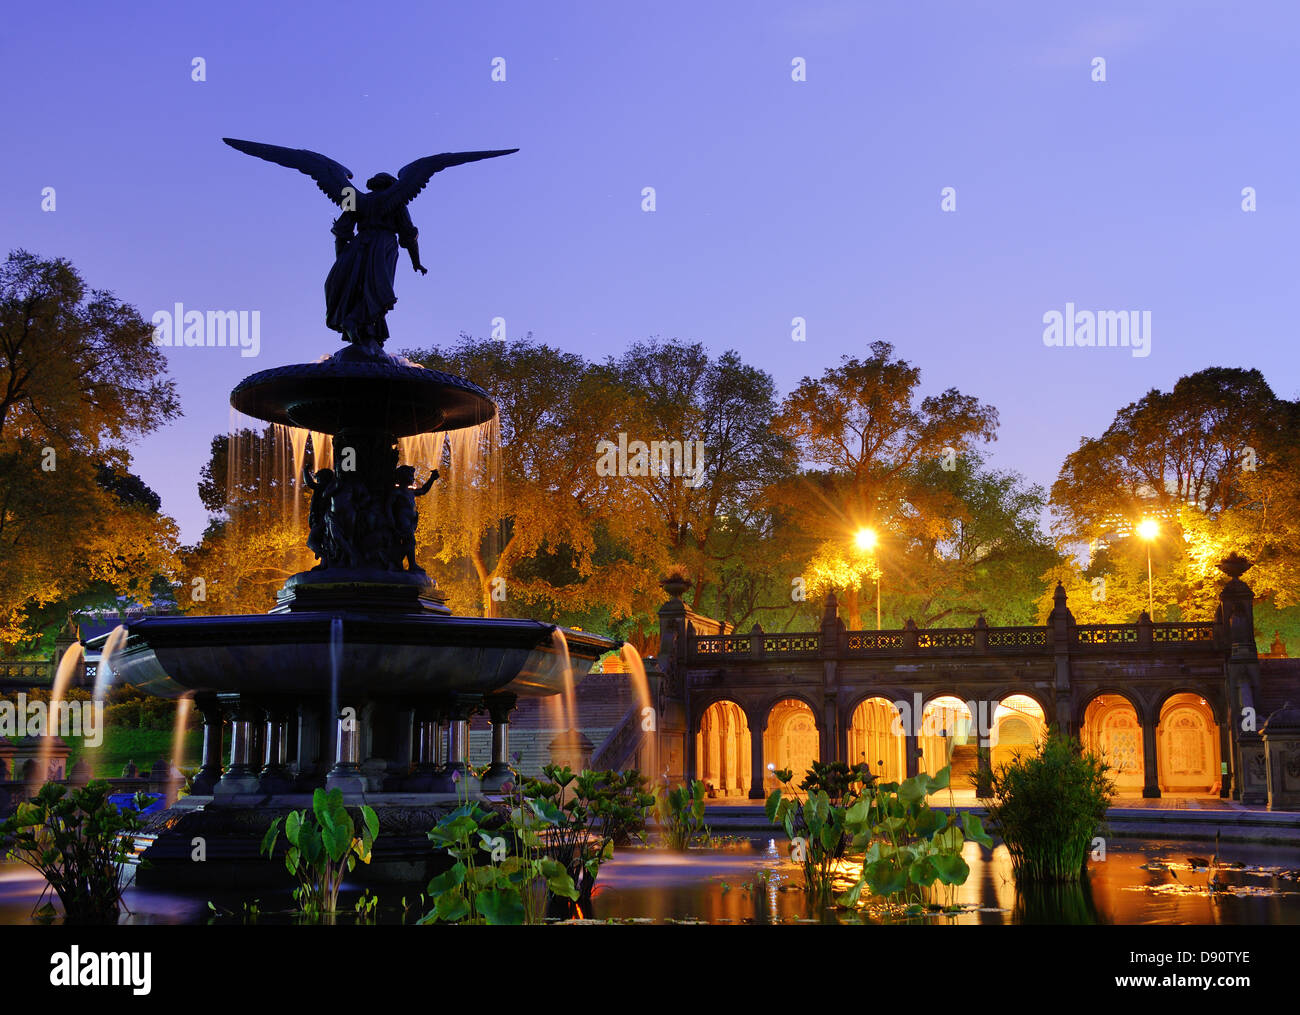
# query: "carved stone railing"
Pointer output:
{"type": "Point", "coordinates": [33, 673]}
{"type": "Point", "coordinates": [622, 742]}
{"type": "Point", "coordinates": [953, 641]}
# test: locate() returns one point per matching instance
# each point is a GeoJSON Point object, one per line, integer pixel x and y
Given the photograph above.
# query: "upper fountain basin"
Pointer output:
{"type": "Point", "coordinates": [406, 655]}
{"type": "Point", "coordinates": [354, 390]}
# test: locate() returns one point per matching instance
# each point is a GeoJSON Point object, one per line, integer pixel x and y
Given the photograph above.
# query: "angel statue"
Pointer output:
{"type": "Point", "coordinates": [359, 287]}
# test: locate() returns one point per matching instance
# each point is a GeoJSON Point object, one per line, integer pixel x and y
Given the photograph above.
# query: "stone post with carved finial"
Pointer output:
{"type": "Point", "coordinates": [1235, 620]}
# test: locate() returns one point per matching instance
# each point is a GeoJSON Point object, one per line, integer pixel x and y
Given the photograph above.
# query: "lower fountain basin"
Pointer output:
{"type": "Point", "coordinates": [383, 654]}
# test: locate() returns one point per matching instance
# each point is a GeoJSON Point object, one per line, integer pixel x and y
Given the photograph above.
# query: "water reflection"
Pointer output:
{"type": "Point", "coordinates": [1139, 882]}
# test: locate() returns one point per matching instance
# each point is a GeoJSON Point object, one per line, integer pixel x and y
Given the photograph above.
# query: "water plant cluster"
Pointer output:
{"type": "Point", "coordinates": [78, 840]}
{"type": "Point", "coordinates": [1048, 805]}
{"type": "Point", "coordinates": [883, 837]}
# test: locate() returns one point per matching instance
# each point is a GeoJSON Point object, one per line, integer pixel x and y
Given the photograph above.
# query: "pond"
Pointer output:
{"type": "Point", "coordinates": [753, 881]}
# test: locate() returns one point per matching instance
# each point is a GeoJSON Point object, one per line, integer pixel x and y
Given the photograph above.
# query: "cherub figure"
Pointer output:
{"type": "Point", "coordinates": [317, 534]}
{"type": "Point", "coordinates": [405, 515]}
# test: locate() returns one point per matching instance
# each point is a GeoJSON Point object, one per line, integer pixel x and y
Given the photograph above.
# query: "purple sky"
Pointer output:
{"type": "Point", "coordinates": [775, 199]}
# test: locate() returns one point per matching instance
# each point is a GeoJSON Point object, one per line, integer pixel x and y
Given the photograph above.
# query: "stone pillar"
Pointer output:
{"type": "Point", "coordinates": [1226, 774]}
{"type": "Point", "coordinates": [346, 773]}
{"type": "Point", "coordinates": [275, 777]}
{"type": "Point", "coordinates": [458, 742]}
{"type": "Point", "coordinates": [1150, 762]}
{"type": "Point", "coordinates": [241, 776]}
{"type": "Point", "coordinates": [1235, 619]}
{"type": "Point", "coordinates": [499, 707]}
{"type": "Point", "coordinates": [912, 751]}
{"type": "Point", "coordinates": [213, 730]}
{"type": "Point", "coordinates": [984, 771]}
{"type": "Point", "coordinates": [757, 768]}
{"type": "Point", "coordinates": [402, 762]}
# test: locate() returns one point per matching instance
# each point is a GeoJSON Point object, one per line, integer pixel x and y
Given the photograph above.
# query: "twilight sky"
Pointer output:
{"type": "Point", "coordinates": [774, 198]}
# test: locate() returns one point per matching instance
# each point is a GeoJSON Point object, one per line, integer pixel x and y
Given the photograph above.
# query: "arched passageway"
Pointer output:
{"type": "Point", "coordinates": [1187, 747]}
{"type": "Point", "coordinates": [1019, 726]}
{"type": "Point", "coordinates": [1111, 731]}
{"type": "Point", "coordinates": [722, 750]}
{"type": "Point", "coordinates": [791, 739]}
{"type": "Point", "coordinates": [875, 736]}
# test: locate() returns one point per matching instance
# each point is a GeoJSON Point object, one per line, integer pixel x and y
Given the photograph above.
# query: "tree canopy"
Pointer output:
{"type": "Point", "coordinates": [80, 379]}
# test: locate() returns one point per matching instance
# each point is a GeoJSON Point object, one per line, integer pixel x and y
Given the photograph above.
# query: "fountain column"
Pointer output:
{"type": "Point", "coordinates": [499, 707]}
{"type": "Point", "coordinates": [346, 773]}
{"type": "Point", "coordinates": [213, 734]}
{"type": "Point", "coordinates": [275, 776]}
{"type": "Point", "coordinates": [241, 776]}
{"type": "Point", "coordinates": [458, 740]}
{"type": "Point", "coordinates": [427, 750]}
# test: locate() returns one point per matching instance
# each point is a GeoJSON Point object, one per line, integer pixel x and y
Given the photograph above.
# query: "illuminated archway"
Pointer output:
{"type": "Point", "coordinates": [1019, 725]}
{"type": "Point", "coordinates": [791, 738]}
{"type": "Point", "coordinates": [722, 750]}
{"type": "Point", "coordinates": [1187, 746]}
{"type": "Point", "coordinates": [1111, 731]}
{"type": "Point", "coordinates": [875, 736]}
{"type": "Point", "coordinates": [947, 738]}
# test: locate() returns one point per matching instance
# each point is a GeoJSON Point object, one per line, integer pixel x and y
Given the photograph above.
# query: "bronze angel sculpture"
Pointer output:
{"type": "Point", "coordinates": [359, 287]}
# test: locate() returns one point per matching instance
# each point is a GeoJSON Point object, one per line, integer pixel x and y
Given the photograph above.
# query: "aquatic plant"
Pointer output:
{"type": "Point", "coordinates": [588, 813]}
{"type": "Point", "coordinates": [489, 882]}
{"type": "Point", "coordinates": [909, 846]}
{"type": "Point", "coordinates": [1048, 805]}
{"type": "Point", "coordinates": [78, 841]}
{"type": "Point", "coordinates": [324, 846]}
{"type": "Point", "coordinates": [679, 812]}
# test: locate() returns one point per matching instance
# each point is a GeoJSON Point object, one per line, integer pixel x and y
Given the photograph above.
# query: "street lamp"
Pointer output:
{"type": "Point", "coordinates": [1148, 529]}
{"type": "Point", "coordinates": [866, 540]}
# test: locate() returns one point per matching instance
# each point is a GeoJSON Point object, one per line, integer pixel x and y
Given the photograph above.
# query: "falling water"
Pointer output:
{"type": "Point", "coordinates": [104, 671]}
{"type": "Point", "coordinates": [641, 685]}
{"type": "Point", "coordinates": [183, 706]}
{"type": "Point", "coordinates": [570, 705]}
{"type": "Point", "coordinates": [69, 665]}
{"type": "Point", "coordinates": [329, 732]}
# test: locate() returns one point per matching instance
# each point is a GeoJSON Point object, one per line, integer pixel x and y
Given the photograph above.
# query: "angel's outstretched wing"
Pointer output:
{"type": "Point", "coordinates": [414, 175]}
{"type": "Point", "coordinates": [331, 177]}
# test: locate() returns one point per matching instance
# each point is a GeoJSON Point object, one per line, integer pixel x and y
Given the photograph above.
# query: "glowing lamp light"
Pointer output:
{"type": "Point", "coordinates": [865, 539]}
{"type": "Point", "coordinates": [1147, 529]}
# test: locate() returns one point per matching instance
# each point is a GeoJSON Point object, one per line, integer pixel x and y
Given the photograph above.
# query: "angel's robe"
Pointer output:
{"type": "Point", "coordinates": [359, 287]}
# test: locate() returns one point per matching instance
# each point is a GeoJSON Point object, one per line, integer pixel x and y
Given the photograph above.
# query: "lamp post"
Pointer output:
{"type": "Point", "coordinates": [866, 541]}
{"type": "Point", "coordinates": [1147, 529]}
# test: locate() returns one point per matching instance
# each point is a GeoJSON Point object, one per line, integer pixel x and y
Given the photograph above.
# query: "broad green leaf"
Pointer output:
{"type": "Point", "coordinates": [951, 868]}
{"type": "Point", "coordinates": [449, 879]}
{"type": "Point", "coordinates": [451, 906]}
{"type": "Point", "coordinates": [974, 829]}
{"type": "Point", "coordinates": [500, 906]}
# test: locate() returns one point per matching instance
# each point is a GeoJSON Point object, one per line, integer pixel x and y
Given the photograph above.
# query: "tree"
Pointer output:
{"type": "Point", "coordinates": [723, 409]}
{"type": "Point", "coordinates": [79, 379]}
{"type": "Point", "coordinates": [1213, 462]}
{"type": "Point", "coordinates": [539, 527]}
{"type": "Point", "coordinates": [876, 456]}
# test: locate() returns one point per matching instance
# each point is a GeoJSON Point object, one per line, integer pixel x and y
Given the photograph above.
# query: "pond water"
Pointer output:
{"type": "Point", "coordinates": [753, 881]}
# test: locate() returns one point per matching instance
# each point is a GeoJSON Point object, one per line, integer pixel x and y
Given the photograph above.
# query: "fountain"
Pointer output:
{"type": "Point", "coordinates": [360, 678]}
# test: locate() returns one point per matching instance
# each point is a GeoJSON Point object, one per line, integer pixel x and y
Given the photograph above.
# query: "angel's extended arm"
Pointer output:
{"type": "Point", "coordinates": [309, 478]}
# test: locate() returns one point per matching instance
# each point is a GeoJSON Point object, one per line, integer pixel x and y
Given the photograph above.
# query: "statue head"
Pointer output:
{"type": "Point", "coordinates": [324, 477]}
{"type": "Point", "coordinates": [380, 181]}
{"type": "Point", "coordinates": [405, 475]}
